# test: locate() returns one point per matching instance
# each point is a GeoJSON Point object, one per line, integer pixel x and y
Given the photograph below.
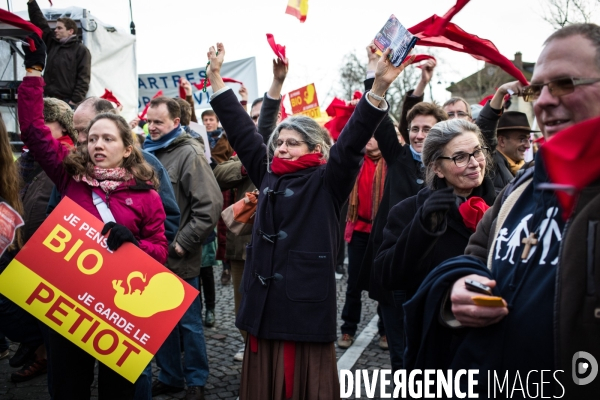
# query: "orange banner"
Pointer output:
{"type": "Point", "coordinates": [119, 307]}
{"type": "Point", "coordinates": [304, 101]}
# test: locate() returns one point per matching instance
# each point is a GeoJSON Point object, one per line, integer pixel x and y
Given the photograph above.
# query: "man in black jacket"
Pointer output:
{"type": "Point", "coordinates": [68, 66]}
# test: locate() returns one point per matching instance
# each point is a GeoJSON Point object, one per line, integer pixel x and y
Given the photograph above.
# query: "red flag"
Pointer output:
{"type": "Point", "coordinates": [143, 114]}
{"type": "Point", "coordinates": [108, 95]}
{"type": "Point", "coordinates": [181, 90]}
{"type": "Point", "coordinates": [200, 85]}
{"type": "Point", "coordinates": [15, 20]}
{"type": "Point", "coordinates": [571, 159]}
{"type": "Point", "coordinates": [278, 49]}
{"type": "Point", "coordinates": [340, 113]}
{"type": "Point", "coordinates": [456, 39]}
{"type": "Point", "coordinates": [298, 9]}
{"type": "Point", "coordinates": [440, 24]}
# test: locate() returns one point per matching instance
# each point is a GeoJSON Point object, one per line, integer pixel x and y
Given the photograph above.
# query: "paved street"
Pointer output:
{"type": "Point", "coordinates": [222, 342]}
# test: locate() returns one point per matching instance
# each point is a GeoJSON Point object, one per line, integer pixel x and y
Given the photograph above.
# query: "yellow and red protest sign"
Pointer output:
{"type": "Point", "coordinates": [304, 101]}
{"type": "Point", "coordinates": [117, 306]}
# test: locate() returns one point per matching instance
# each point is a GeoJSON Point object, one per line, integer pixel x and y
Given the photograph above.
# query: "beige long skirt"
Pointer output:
{"type": "Point", "coordinates": [315, 372]}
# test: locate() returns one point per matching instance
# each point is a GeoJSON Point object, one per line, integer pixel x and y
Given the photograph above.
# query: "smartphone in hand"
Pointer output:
{"type": "Point", "coordinates": [486, 301]}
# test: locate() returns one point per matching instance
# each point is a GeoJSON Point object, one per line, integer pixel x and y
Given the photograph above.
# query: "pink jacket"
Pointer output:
{"type": "Point", "coordinates": [134, 204]}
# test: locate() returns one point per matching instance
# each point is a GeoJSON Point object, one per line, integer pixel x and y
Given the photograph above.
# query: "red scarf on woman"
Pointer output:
{"type": "Point", "coordinates": [279, 166]}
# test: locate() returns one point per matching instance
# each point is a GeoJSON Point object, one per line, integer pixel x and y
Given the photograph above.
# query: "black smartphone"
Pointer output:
{"type": "Point", "coordinates": [478, 287]}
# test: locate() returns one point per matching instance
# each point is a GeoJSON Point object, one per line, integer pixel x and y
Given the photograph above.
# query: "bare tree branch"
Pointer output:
{"type": "Point", "coordinates": [560, 13]}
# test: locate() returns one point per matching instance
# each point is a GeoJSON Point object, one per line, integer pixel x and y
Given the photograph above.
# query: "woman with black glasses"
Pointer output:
{"type": "Point", "coordinates": [435, 225]}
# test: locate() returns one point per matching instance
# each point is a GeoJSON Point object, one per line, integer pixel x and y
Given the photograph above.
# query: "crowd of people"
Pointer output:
{"type": "Point", "coordinates": [431, 203]}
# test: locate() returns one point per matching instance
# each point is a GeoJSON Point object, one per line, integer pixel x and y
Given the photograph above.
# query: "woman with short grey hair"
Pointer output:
{"type": "Point", "coordinates": [312, 134]}
{"type": "Point", "coordinates": [435, 225]}
{"type": "Point", "coordinates": [289, 298]}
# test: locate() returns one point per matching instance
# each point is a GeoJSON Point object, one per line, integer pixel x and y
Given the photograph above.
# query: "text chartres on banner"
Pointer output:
{"type": "Point", "coordinates": [241, 70]}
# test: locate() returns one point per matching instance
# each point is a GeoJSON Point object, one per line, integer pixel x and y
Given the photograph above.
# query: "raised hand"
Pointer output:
{"type": "Point", "coordinates": [243, 93]}
{"type": "Point", "coordinates": [215, 58]}
{"type": "Point", "coordinates": [386, 73]}
{"type": "Point", "coordinates": [280, 69]}
{"type": "Point", "coordinates": [37, 57]}
{"type": "Point", "coordinates": [187, 86]}
{"type": "Point", "coordinates": [427, 70]}
{"type": "Point", "coordinates": [512, 88]}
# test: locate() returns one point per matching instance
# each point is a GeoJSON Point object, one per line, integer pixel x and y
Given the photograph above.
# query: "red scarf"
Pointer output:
{"type": "Point", "coordinates": [472, 211]}
{"type": "Point", "coordinates": [454, 38]}
{"type": "Point", "coordinates": [279, 166]}
{"type": "Point", "coordinates": [571, 160]}
{"type": "Point", "coordinates": [15, 20]}
{"type": "Point", "coordinates": [108, 95]}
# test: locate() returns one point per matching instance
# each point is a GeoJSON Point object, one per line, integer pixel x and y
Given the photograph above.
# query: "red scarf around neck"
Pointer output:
{"type": "Point", "coordinates": [279, 166]}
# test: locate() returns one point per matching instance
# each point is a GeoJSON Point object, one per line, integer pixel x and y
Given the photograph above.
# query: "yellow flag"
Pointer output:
{"type": "Point", "coordinates": [297, 8]}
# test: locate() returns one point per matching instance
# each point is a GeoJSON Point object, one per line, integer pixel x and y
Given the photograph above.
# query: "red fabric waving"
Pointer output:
{"type": "Point", "coordinates": [472, 211]}
{"type": "Point", "coordinates": [280, 166]}
{"type": "Point", "coordinates": [181, 90]}
{"type": "Point", "coordinates": [200, 85]}
{"type": "Point", "coordinates": [440, 25]}
{"type": "Point", "coordinates": [571, 159]}
{"type": "Point", "coordinates": [278, 49]}
{"type": "Point", "coordinates": [341, 114]}
{"type": "Point", "coordinates": [143, 114]}
{"type": "Point", "coordinates": [14, 20]}
{"type": "Point", "coordinates": [108, 95]}
{"type": "Point", "coordinates": [454, 38]}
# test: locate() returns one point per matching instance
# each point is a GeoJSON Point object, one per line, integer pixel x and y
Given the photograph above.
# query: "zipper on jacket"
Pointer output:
{"type": "Point", "coordinates": [556, 291]}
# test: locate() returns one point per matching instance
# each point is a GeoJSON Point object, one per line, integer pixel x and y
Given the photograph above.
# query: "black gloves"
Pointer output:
{"type": "Point", "coordinates": [436, 206]}
{"type": "Point", "coordinates": [37, 57]}
{"type": "Point", "coordinates": [119, 234]}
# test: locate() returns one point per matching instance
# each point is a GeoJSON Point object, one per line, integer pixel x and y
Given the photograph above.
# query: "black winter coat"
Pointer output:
{"type": "Point", "coordinates": [296, 232]}
{"type": "Point", "coordinates": [410, 250]}
{"type": "Point", "coordinates": [404, 179]}
{"type": "Point", "coordinates": [68, 65]}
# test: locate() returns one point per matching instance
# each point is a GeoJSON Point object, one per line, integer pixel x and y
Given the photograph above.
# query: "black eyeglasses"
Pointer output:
{"type": "Point", "coordinates": [557, 87]}
{"type": "Point", "coordinates": [288, 142]}
{"type": "Point", "coordinates": [462, 160]}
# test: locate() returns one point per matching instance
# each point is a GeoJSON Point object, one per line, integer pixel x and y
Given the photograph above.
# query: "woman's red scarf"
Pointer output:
{"type": "Point", "coordinates": [472, 211]}
{"type": "Point", "coordinates": [279, 166]}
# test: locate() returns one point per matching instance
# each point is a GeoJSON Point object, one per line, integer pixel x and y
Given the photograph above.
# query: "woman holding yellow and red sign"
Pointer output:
{"type": "Point", "coordinates": [289, 302]}
{"type": "Point", "coordinates": [110, 179]}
